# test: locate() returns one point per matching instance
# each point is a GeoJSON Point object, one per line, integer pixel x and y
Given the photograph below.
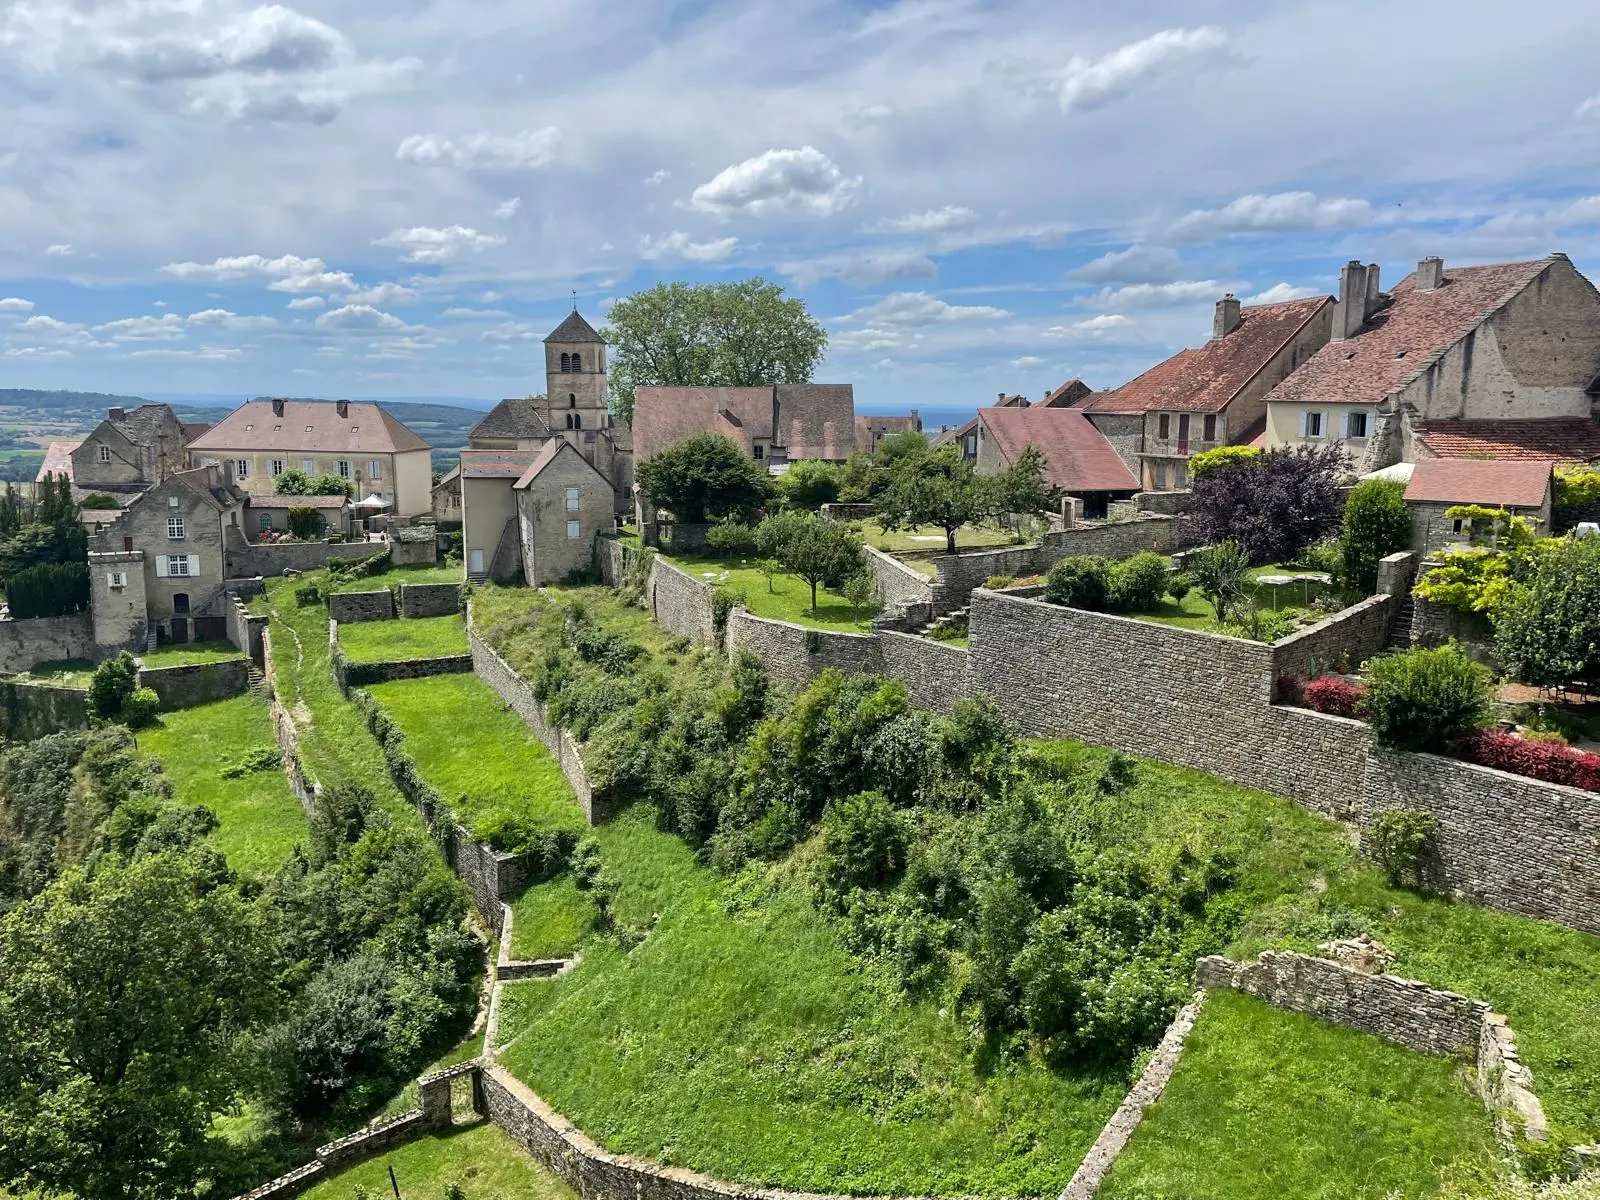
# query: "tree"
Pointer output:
{"type": "Point", "coordinates": [1547, 631]}
{"type": "Point", "coordinates": [1376, 523]}
{"type": "Point", "coordinates": [937, 488]}
{"type": "Point", "coordinates": [1425, 699]}
{"type": "Point", "coordinates": [910, 443]}
{"type": "Point", "coordinates": [121, 997]}
{"type": "Point", "coordinates": [817, 551]}
{"type": "Point", "coordinates": [49, 590]}
{"type": "Point", "coordinates": [1220, 573]}
{"type": "Point", "coordinates": [809, 484]}
{"type": "Point", "coordinates": [1272, 505]}
{"type": "Point", "coordinates": [307, 524]}
{"type": "Point", "coordinates": [111, 684]}
{"type": "Point", "coordinates": [706, 477]}
{"type": "Point", "coordinates": [738, 334]}
{"type": "Point", "coordinates": [295, 482]}
{"type": "Point", "coordinates": [1022, 487]}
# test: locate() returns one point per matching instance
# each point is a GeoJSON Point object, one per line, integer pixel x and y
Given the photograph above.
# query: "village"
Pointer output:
{"type": "Point", "coordinates": [1186, 788]}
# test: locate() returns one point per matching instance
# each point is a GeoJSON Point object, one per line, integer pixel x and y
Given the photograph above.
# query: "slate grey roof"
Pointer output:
{"type": "Point", "coordinates": [512, 419]}
{"type": "Point", "coordinates": [142, 426]}
{"type": "Point", "coordinates": [574, 329]}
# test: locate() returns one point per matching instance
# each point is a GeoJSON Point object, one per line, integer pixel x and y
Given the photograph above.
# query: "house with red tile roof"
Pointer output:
{"type": "Point", "coordinates": [775, 423]}
{"type": "Point", "coordinates": [1078, 458]}
{"type": "Point", "coordinates": [1424, 371]}
{"type": "Point", "coordinates": [1522, 487]}
{"type": "Point", "coordinates": [872, 430]}
{"type": "Point", "coordinates": [1211, 395]}
{"type": "Point", "coordinates": [131, 451]}
{"type": "Point", "coordinates": [965, 435]}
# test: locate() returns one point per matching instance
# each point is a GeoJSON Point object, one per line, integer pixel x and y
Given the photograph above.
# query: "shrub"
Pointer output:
{"type": "Point", "coordinates": [110, 686]}
{"type": "Point", "coordinates": [809, 484]}
{"type": "Point", "coordinates": [863, 846]}
{"type": "Point", "coordinates": [861, 589]}
{"type": "Point", "coordinates": [307, 595]}
{"type": "Point", "coordinates": [1547, 632]}
{"type": "Point", "coordinates": [1273, 505]}
{"type": "Point", "coordinates": [139, 709]}
{"type": "Point", "coordinates": [723, 601]}
{"type": "Point", "coordinates": [307, 524]}
{"type": "Point", "coordinates": [1138, 583]}
{"type": "Point", "coordinates": [1425, 699]}
{"type": "Point", "coordinates": [1221, 573]}
{"type": "Point", "coordinates": [1396, 839]}
{"type": "Point", "coordinates": [1211, 462]}
{"type": "Point", "coordinates": [1537, 758]}
{"type": "Point", "coordinates": [49, 590]}
{"type": "Point", "coordinates": [1376, 523]}
{"type": "Point", "coordinates": [1330, 694]}
{"type": "Point", "coordinates": [995, 582]}
{"type": "Point", "coordinates": [262, 758]}
{"type": "Point", "coordinates": [1179, 585]}
{"type": "Point", "coordinates": [729, 538]}
{"type": "Point", "coordinates": [1079, 581]}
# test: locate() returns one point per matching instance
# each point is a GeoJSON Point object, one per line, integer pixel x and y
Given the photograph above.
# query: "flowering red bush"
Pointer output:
{"type": "Point", "coordinates": [1549, 761]}
{"type": "Point", "coordinates": [1335, 696]}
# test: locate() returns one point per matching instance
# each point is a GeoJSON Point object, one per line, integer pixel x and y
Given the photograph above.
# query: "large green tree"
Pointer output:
{"type": "Point", "coordinates": [1376, 523]}
{"type": "Point", "coordinates": [706, 477]}
{"type": "Point", "coordinates": [122, 996]}
{"type": "Point", "coordinates": [938, 488]}
{"type": "Point", "coordinates": [818, 551]}
{"type": "Point", "coordinates": [1547, 631]}
{"type": "Point", "coordinates": [739, 334]}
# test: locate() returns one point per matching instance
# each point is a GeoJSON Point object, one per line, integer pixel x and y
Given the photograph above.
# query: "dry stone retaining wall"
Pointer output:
{"type": "Point", "coordinates": [197, 683]}
{"type": "Point", "coordinates": [935, 673]}
{"type": "Point", "coordinates": [274, 558]}
{"type": "Point", "coordinates": [680, 603]}
{"type": "Point", "coordinates": [32, 710]}
{"type": "Point", "coordinates": [796, 655]}
{"type": "Point", "coordinates": [1338, 643]}
{"type": "Point", "coordinates": [244, 628]}
{"type": "Point", "coordinates": [898, 586]}
{"type": "Point", "coordinates": [429, 599]}
{"type": "Point", "coordinates": [25, 644]}
{"type": "Point", "coordinates": [349, 607]}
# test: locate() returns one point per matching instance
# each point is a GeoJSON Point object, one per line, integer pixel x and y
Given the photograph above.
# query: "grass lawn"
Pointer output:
{"type": "Point", "coordinates": [502, 615]}
{"type": "Point", "coordinates": [395, 576]}
{"type": "Point", "coordinates": [1193, 611]}
{"type": "Point", "coordinates": [61, 672]}
{"type": "Point", "coordinates": [259, 817]}
{"type": "Point", "coordinates": [1268, 1104]}
{"type": "Point", "coordinates": [931, 537]}
{"type": "Point", "coordinates": [189, 654]}
{"type": "Point", "coordinates": [482, 1158]}
{"type": "Point", "coordinates": [744, 1040]}
{"type": "Point", "coordinates": [478, 753]}
{"type": "Point", "coordinates": [550, 920]}
{"type": "Point", "coordinates": [406, 637]}
{"type": "Point", "coordinates": [788, 599]}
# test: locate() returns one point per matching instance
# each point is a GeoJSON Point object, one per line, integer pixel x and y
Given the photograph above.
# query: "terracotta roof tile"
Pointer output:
{"type": "Point", "coordinates": [1517, 483]}
{"type": "Point", "coordinates": [815, 420]}
{"type": "Point", "coordinates": [552, 450]}
{"type": "Point", "coordinates": [1402, 340]}
{"type": "Point", "coordinates": [884, 427]}
{"type": "Point", "coordinates": [497, 464]}
{"type": "Point", "coordinates": [1205, 378]}
{"type": "Point", "coordinates": [1077, 455]}
{"type": "Point", "coordinates": [1560, 439]}
{"type": "Point", "coordinates": [58, 459]}
{"type": "Point", "coordinates": [366, 429]}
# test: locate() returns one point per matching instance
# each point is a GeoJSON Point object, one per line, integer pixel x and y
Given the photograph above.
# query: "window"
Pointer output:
{"type": "Point", "coordinates": [572, 399]}
{"type": "Point", "coordinates": [375, 469]}
{"type": "Point", "coordinates": [355, 429]}
{"type": "Point", "coordinates": [577, 420]}
{"type": "Point", "coordinates": [760, 451]}
{"type": "Point", "coordinates": [1158, 476]}
{"type": "Point", "coordinates": [1458, 525]}
{"type": "Point", "coordinates": [1210, 434]}
{"type": "Point", "coordinates": [571, 363]}
{"type": "Point", "coordinates": [1311, 425]}
{"type": "Point", "coordinates": [241, 468]}
{"type": "Point", "coordinates": [175, 527]}
{"type": "Point", "coordinates": [248, 428]}
{"type": "Point", "coordinates": [178, 564]}
{"type": "Point", "coordinates": [308, 465]}
{"type": "Point", "coordinates": [572, 530]}
{"type": "Point", "coordinates": [1163, 427]}
{"type": "Point", "coordinates": [1355, 425]}
{"type": "Point", "coordinates": [266, 522]}
{"type": "Point", "coordinates": [344, 468]}
{"type": "Point", "coordinates": [572, 499]}
{"type": "Point", "coordinates": [105, 454]}
{"type": "Point", "coordinates": [117, 579]}
{"type": "Point", "coordinates": [277, 467]}
{"type": "Point", "coordinates": [308, 429]}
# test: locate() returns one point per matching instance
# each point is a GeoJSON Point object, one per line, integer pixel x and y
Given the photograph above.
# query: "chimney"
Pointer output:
{"type": "Point", "coordinates": [342, 407]}
{"type": "Point", "coordinates": [1002, 399]}
{"type": "Point", "coordinates": [117, 414]}
{"type": "Point", "coordinates": [1354, 303]}
{"type": "Point", "coordinates": [1228, 317]}
{"type": "Point", "coordinates": [1430, 273]}
{"type": "Point", "coordinates": [277, 408]}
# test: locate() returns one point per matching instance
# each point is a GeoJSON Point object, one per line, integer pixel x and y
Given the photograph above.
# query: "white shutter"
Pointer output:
{"type": "Point", "coordinates": [1303, 424]}
{"type": "Point", "coordinates": [111, 579]}
{"type": "Point", "coordinates": [161, 566]}
{"type": "Point", "coordinates": [194, 565]}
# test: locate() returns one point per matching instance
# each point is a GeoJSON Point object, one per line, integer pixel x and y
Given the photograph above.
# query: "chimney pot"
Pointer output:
{"type": "Point", "coordinates": [277, 408]}
{"type": "Point", "coordinates": [1430, 273]}
{"type": "Point", "coordinates": [1229, 316]}
{"type": "Point", "coordinates": [342, 407]}
{"type": "Point", "coordinates": [117, 414]}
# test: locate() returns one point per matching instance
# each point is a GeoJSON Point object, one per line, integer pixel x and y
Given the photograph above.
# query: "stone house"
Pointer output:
{"type": "Point", "coordinates": [872, 430]}
{"type": "Point", "coordinates": [172, 538]}
{"type": "Point", "coordinates": [262, 439]}
{"type": "Point", "coordinates": [1446, 350]}
{"type": "Point", "coordinates": [270, 514]}
{"type": "Point", "coordinates": [132, 450]}
{"type": "Point", "coordinates": [489, 533]}
{"type": "Point", "coordinates": [446, 495]}
{"type": "Point", "coordinates": [562, 502]}
{"type": "Point", "coordinates": [776, 424]}
{"type": "Point", "coordinates": [1212, 395]}
{"type": "Point", "coordinates": [965, 436]}
{"type": "Point", "coordinates": [1078, 458]}
{"type": "Point", "coordinates": [1523, 487]}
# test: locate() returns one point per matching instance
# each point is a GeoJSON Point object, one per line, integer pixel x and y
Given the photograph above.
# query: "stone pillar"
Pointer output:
{"type": "Point", "coordinates": [1395, 573]}
{"type": "Point", "coordinates": [434, 1098]}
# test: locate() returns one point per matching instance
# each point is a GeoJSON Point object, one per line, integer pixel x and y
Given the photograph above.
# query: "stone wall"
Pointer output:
{"type": "Point", "coordinates": [245, 629]}
{"type": "Point", "coordinates": [26, 644]}
{"type": "Point", "coordinates": [31, 710]}
{"type": "Point", "coordinates": [348, 607]}
{"type": "Point", "coordinates": [429, 599]}
{"type": "Point", "coordinates": [1163, 502]}
{"type": "Point", "coordinates": [274, 558]}
{"type": "Point", "coordinates": [935, 673]}
{"type": "Point", "coordinates": [796, 655]}
{"type": "Point", "coordinates": [1502, 840]}
{"type": "Point", "coordinates": [609, 558]}
{"type": "Point", "coordinates": [846, 512]}
{"type": "Point", "coordinates": [414, 549]}
{"type": "Point", "coordinates": [680, 603]}
{"type": "Point", "coordinates": [287, 734]}
{"type": "Point", "coordinates": [360, 674]}
{"type": "Point", "coordinates": [1435, 624]}
{"type": "Point", "coordinates": [1339, 643]}
{"type": "Point", "coordinates": [897, 585]}
{"type": "Point", "coordinates": [198, 683]}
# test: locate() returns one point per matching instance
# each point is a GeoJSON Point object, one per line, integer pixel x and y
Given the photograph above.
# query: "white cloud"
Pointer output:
{"type": "Point", "coordinates": [305, 302]}
{"type": "Point", "coordinates": [221, 318]}
{"type": "Point", "coordinates": [913, 309]}
{"type": "Point", "coordinates": [42, 325]}
{"type": "Point", "coordinates": [203, 354]}
{"type": "Point", "coordinates": [933, 220]}
{"type": "Point", "coordinates": [1025, 362]}
{"type": "Point", "coordinates": [863, 268]}
{"type": "Point", "coordinates": [427, 245]}
{"type": "Point", "coordinates": [15, 304]}
{"type": "Point", "coordinates": [507, 209]}
{"type": "Point", "coordinates": [679, 246]}
{"type": "Point", "coordinates": [383, 293]}
{"type": "Point", "coordinates": [1090, 329]}
{"type": "Point", "coordinates": [363, 318]}
{"type": "Point", "coordinates": [475, 314]}
{"type": "Point", "coordinates": [37, 352]}
{"type": "Point", "coordinates": [804, 181]}
{"type": "Point", "coordinates": [513, 331]}
{"type": "Point", "coordinates": [526, 150]}
{"type": "Point", "coordinates": [1282, 212]}
{"type": "Point", "coordinates": [657, 178]}
{"type": "Point", "coordinates": [59, 250]}
{"type": "Point", "coordinates": [1589, 108]}
{"type": "Point", "coordinates": [165, 328]}
{"type": "Point", "coordinates": [1092, 83]}
{"type": "Point", "coordinates": [289, 273]}
{"type": "Point", "coordinates": [1278, 293]}
{"type": "Point", "coordinates": [1136, 264]}
{"type": "Point", "coordinates": [1158, 295]}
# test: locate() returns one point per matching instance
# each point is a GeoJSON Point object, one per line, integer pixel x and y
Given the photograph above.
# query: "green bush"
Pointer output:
{"type": "Point", "coordinates": [307, 595]}
{"type": "Point", "coordinates": [863, 846]}
{"type": "Point", "coordinates": [262, 758]}
{"type": "Point", "coordinates": [139, 709]}
{"type": "Point", "coordinates": [1179, 586]}
{"type": "Point", "coordinates": [1424, 699]}
{"type": "Point", "coordinates": [110, 686]}
{"type": "Point", "coordinates": [1138, 583]}
{"type": "Point", "coordinates": [723, 601]}
{"type": "Point", "coordinates": [995, 582]}
{"type": "Point", "coordinates": [1377, 523]}
{"type": "Point", "coordinates": [1079, 581]}
{"type": "Point", "coordinates": [1210, 462]}
{"type": "Point", "coordinates": [1396, 839]}
{"type": "Point", "coordinates": [1221, 573]}
{"type": "Point", "coordinates": [49, 590]}
{"type": "Point", "coordinates": [307, 524]}
{"type": "Point", "coordinates": [730, 538]}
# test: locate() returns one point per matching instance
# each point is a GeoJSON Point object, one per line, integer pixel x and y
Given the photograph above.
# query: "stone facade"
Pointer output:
{"type": "Point", "coordinates": [1338, 643]}
{"type": "Point", "coordinates": [562, 505]}
{"type": "Point", "coordinates": [116, 598]}
{"type": "Point", "coordinates": [130, 451]}
{"type": "Point", "coordinates": [350, 607]}
{"type": "Point", "coordinates": [796, 655]}
{"type": "Point", "coordinates": [198, 683]}
{"type": "Point", "coordinates": [25, 644]}
{"type": "Point", "coordinates": [897, 585]}
{"type": "Point", "coordinates": [680, 603]}
{"type": "Point", "coordinates": [429, 599]}
{"type": "Point", "coordinates": [414, 546]}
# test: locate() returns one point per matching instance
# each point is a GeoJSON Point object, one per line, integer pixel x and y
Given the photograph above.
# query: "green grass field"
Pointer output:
{"type": "Point", "coordinates": [481, 1158]}
{"type": "Point", "coordinates": [1268, 1104]}
{"type": "Point", "coordinates": [478, 753]}
{"type": "Point", "coordinates": [501, 614]}
{"type": "Point", "coordinates": [62, 672]}
{"type": "Point", "coordinates": [931, 537]}
{"type": "Point", "coordinates": [259, 817]}
{"type": "Point", "coordinates": [409, 637]}
{"type": "Point", "coordinates": [1193, 611]}
{"type": "Point", "coordinates": [190, 654]}
{"type": "Point", "coordinates": [788, 599]}
{"type": "Point", "coordinates": [395, 576]}
{"type": "Point", "coordinates": [550, 920]}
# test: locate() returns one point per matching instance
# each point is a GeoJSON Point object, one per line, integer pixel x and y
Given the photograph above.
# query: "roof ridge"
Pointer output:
{"type": "Point", "coordinates": [1479, 317]}
{"type": "Point", "coordinates": [1278, 349]}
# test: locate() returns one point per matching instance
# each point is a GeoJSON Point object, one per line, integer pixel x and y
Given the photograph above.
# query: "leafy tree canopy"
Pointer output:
{"type": "Point", "coordinates": [818, 551]}
{"type": "Point", "coordinates": [704, 478]}
{"type": "Point", "coordinates": [937, 488]}
{"type": "Point", "coordinates": [1547, 631]}
{"type": "Point", "coordinates": [1376, 523]}
{"type": "Point", "coordinates": [295, 482]}
{"type": "Point", "coordinates": [1272, 505]}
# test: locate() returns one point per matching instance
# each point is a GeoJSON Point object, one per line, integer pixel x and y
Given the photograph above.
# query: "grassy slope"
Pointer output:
{"type": "Point", "coordinates": [751, 1046]}
{"type": "Point", "coordinates": [481, 1158]}
{"type": "Point", "coordinates": [1268, 1104]}
{"type": "Point", "coordinates": [259, 817]}
{"type": "Point", "coordinates": [190, 654]}
{"type": "Point", "coordinates": [412, 637]}
{"type": "Point", "coordinates": [789, 598]}
{"type": "Point", "coordinates": [550, 920]}
{"type": "Point", "coordinates": [395, 576]}
{"type": "Point", "coordinates": [481, 751]}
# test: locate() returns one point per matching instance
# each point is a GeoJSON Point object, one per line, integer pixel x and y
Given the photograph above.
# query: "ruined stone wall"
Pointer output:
{"type": "Point", "coordinates": [274, 558]}
{"type": "Point", "coordinates": [26, 644]}
{"type": "Point", "coordinates": [198, 683]}
{"type": "Point", "coordinates": [608, 560]}
{"type": "Point", "coordinates": [32, 710]}
{"type": "Point", "coordinates": [245, 629]}
{"type": "Point", "coordinates": [1339, 643]}
{"type": "Point", "coordinates": [360, 674]}
{"type": "Point", "coordinates": [680, 603]}
{"type": "Point", "coordinates": [935, 673]}
{"type": "Point", "coordinates": [429, 599]}
{"type": "Point", "coordinates": [796, 655]}
{"type": "Point", "coordinates": [348, 607]}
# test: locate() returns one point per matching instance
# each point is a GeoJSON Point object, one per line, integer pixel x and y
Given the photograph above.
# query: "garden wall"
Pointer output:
{"type": "Point", "coordinates": [287, 735]}
{"type": "Point", "coordinates": [274, 558]}
{"type": "Point", "coordinates": [244, 628]}
{"type": "Point", "coordinates": [935, 673]}
{"type": "Point", "coordinates": [429, 599]}
{"type": "Point", "coordinates": [361, 606]}
{"type": "Point", "coordinates": [680, 603]}
{"type": "Point", "coordinates": [796, 655]}
{"type": "Point", "coordinates": [898, 586]}
{"type": "Point", "coordinates": [609, 559]}
{"type": "Point", "coordinates": [1339, 643]}
{"type": "Point", "coordinates": [32, 710]}
{"type": "Point", "coordinates": [26, 644]}
{"type": "Point", "coordinates": [198, 683]}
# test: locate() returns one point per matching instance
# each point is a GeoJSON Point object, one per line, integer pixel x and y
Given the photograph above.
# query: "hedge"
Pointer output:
{"type": "Point", "coordinates": [1550, 762]}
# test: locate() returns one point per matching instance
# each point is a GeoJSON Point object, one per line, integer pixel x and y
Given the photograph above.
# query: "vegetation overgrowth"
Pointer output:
{"type": "Point", "coordinates": [481, 1160]}
{"type": "Point", "coordinates": [780, 596]}
{"type": "Point", "coordinates": [190, 654]}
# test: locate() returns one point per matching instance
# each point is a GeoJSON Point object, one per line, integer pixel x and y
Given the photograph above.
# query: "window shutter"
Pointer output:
{"type": "Point", "coordinates": [1344, 425]}
{"type": "Point", "coordinates": [1303, 424]}
{"type": "Point", "coordinates": [194, 564]}
{"type": "Point", "coordinates": [161, 566]}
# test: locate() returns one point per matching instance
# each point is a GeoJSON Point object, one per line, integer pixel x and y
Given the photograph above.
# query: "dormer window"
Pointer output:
{"type": "Point", "coordinates": [355, 429]}
{"type": "Point", "coordinates": [308, 429]}
{"type": "Point", "coordinates": [276, 428]}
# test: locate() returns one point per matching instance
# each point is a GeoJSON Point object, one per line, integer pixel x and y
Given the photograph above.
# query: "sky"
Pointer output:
{"type": "Point", "coordinates": [342, 198]}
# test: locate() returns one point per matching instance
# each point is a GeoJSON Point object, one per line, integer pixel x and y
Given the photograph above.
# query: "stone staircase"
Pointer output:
{"type": "Point", "coordinates": [150, 639]}
{"type": "Point", "coordinates": [1403, 631]}
{"type": "Point", "coordinates": [259, 687]}
{"type": "Point", "coordinates": [957, 617]}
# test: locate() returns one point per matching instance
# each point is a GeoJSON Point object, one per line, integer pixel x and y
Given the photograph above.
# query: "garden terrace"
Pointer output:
{"type": "Point", "coordinates": [189, 654]}
{"type": "Point", "coordinates": [787, 599]}
{"type": "Point", "coordinates": [931, 538]}
{"type": "Point", "coordinates": [67, 672]}
{"type": "Point", "coordinates": [479, 1158]}
{"type": "Point", "coordinates": [1290, 599]}
{"type": "Point", "coordinates": [395, 576]}
{"type": "Point", "coordinates": [403, 638]}
{"type": "Point", "coordinates": [1266, 1104]}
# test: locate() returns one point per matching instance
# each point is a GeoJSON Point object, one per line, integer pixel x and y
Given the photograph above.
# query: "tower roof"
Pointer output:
{"type": "Point", "coordinates": [574, 329]}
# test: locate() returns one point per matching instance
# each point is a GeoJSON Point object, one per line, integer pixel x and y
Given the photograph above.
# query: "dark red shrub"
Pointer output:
{"type": "Point", "coordinates": [1334, 696]}
{"type": "Point", "coordinates": [1549, 761]}
{"type": "Point", "coordinates": [1287, 689]}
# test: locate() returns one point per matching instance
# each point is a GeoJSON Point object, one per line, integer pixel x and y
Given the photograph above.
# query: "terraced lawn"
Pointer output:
{"type": "Point", "coordinates": [259, 817]}
{"type": "Point", "coordinates": [406, 637]}
{"type": "Point", "coordinates": [550, 920]}
{"type": "Point", "coordinates": [788, 598]}
{"type": "Point", "coordinates": [190, 654]}
{"type": "Point", "coordinates": [1268, 1104]}
{"type": "Point", "coordinates": [395, 576]}
{"type": "Point", "coordinates": [480, 1158]}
